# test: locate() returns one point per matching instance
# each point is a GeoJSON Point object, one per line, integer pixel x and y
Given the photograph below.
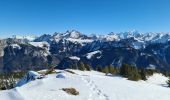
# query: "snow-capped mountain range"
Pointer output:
{"type": "Point", "coordinates": [72, 47]}
{"type": "Point", "coordinates": [75, 36]}
{"type": "Point", "coordinates": [138, 38]}
{"type": "Point", "coordinates": [145, 37]}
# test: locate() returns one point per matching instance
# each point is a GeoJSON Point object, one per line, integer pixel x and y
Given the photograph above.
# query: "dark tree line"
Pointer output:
{"type": "Point", "coordinates": [168, 82]}
{"type": "Point", "coordinates": [8, 80]}
{"type": "Point", "coordinates": [81, 66]}
{"type": "Point", "coordinates": [127, 71]}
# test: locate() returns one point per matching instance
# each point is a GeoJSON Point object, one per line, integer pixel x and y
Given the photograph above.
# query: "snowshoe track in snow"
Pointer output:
{"type": "Point", "coordinates": [97, 94]}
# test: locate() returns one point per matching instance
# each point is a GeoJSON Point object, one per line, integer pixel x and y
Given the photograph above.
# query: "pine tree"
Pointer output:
{"type": "Point", "coordinates": [82, 67]}
{"type": "Point", "coordinates": [134, 74]}
{"type": "Point", "coordinates": [99, 68]}
{"type": "Point", "coordinates": [143, 74]}
{"type": "Point", "coordinates": [105, 70]}
{"type": "Point", "coordinates": [166, 73]}
{"type": "Point", "coordinates": [87, 67]}
{"type": "Point", "coordinates": [168, 82]}
{"type": "Point", "coordinates": [74, 66]}
{"type": "Point", "coordinates": [112, 69]}
{"type": "Point", "coordinates": [134, 77]}
{"type": "Point", "coordinates": [149, 72]}
{"type": "Point", "coordinates": [130, 72]}
{"type": "Point", "coordinates": [124, 70]}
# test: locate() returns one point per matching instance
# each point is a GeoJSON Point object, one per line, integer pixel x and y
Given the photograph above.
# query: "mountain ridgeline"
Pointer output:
{"type": "Point", "coordinates": [69, 49]}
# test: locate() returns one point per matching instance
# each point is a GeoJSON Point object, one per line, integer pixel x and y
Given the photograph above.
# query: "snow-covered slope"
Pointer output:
{"type": "Point", "coordinates": [40, 44]}
{"type": "Point", "coordinates": [74, 58]}
{"type": "Point", "coordinates": [91, 86]}
{"type": "Point", "coordinates": [158, 79]}
{"type": "Point", "coordinates": [91, 54]}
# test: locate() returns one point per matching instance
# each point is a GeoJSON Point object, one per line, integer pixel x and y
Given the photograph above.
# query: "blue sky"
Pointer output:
{"type": "Point", "coordinates": [87, 16]}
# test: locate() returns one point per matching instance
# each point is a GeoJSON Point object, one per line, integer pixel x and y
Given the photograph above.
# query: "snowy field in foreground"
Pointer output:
{"type": "Point", "coordinates": [91, 86]}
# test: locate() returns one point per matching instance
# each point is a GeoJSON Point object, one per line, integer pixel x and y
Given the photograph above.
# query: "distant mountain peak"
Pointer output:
{"type": "Point", "coordinates": [74, 34]}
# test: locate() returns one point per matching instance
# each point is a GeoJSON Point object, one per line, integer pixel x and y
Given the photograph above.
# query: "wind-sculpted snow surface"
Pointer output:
{"type": "Point", "coordinates": [30, 76]}
{"type": "Point", "coordinates": [91, 85]}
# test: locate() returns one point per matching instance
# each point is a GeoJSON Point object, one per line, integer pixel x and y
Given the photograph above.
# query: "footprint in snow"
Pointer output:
{"type": "Point", "coordinates": [94, 88]}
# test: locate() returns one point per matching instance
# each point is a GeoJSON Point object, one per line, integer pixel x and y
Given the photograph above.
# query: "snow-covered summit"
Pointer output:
{"type": "Point", "coordinates": [76, 36]}
{"type": "Point", "coordinates": [91, 85]}
{"type": "Point", "coordinates": [68, 34]}
{"type": "Point", "coordinates": [138, 40]}
{"type": "Point", "coordinates": [150, 37]}
{"type": "Point", "coordinates": [72, 36]}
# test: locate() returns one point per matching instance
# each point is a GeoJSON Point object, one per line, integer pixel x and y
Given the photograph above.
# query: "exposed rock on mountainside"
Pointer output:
{"type": "Point", "coordinates": [63, 50]}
